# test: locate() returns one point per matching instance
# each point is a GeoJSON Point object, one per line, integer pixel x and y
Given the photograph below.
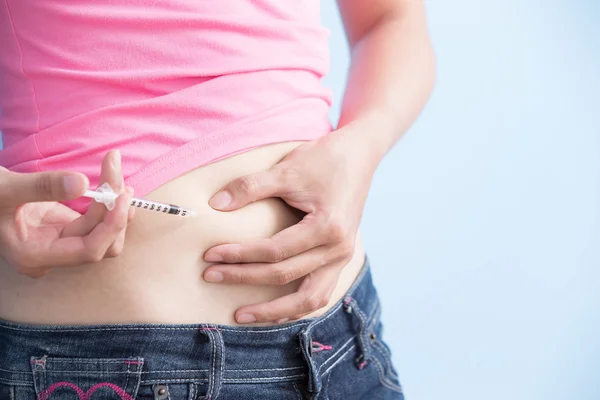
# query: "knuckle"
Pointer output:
{"type": "Point", "coordinates": [247, 184]}
{"type": "Point", "coordinates": [233, 256]}
{"type": "Point", "coordinates": [290, 176]}
{"type": "Point", "coordinates": [345, 250]}
{"type": "Point", "coordinates": [32, 273]}
{"type": "Point", "coordinates": [30, 269]}
{"type": "Point", "coordinates": [336, 232]}
{"type": "Point", "coordinates": [114, 250]}
{"type": "Point", "coordinates": [239, 278]}
{"type": "Point", "coordinates": [43, 187]}
{"type": "Point", "coordinates": [277, 253]}
{"type": "Point", "coordinates": [25, 263]}
{"type": "Point", "coordinates": [121, 223]}
{"type": "Point", "coordinates": [284, 276]}
{"type": "Point", "coordinates": [23, 270]}
{"type": "Point", "coordinates": [324, 260]}
{"type": "Point", "coordinates": [265, 316]}
{"type": "Point", "coordinates": [314, 302]}
{"type": "Point", "coordinates": [95, 255]}
{"type": "Point", "coordinates": [324, 301]}
{"type": "Point", "coordinates": [5, 179]}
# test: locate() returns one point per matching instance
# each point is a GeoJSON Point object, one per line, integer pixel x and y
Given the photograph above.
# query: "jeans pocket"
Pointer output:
{"type": "Point", "coordinates": [64, 378]}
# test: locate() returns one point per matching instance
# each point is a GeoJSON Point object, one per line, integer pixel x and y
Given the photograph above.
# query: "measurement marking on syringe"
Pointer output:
{"type": "Point", "coordinates": [104, 194]}
{"type": "Point", "coordinates": [160, 207]}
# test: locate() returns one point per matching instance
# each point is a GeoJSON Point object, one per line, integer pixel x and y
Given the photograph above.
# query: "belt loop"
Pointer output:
{"type": "Point", "coordinates": [217, 360]}
{"type": "Point", "coordinates": [314, 380]}
{"type": "Point", "coordinates": [351, 307]}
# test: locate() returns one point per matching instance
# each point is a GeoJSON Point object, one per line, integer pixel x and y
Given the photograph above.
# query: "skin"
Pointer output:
{"type": "Point", "coordinates": [38, 234]}
{"type": "Point", "coordinates": [329, 179]}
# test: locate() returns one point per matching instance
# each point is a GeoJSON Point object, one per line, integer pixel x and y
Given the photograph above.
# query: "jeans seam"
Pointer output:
{"type": "Point", "coordinates": [16, 383]}
{"type": "Point", "coordinates": [127, 381]}
{"type": "Point", "coordinates": [332, 312]}
{"type": "Point", "coordinates": [340, 359]}
{"type": "Point", "coordinates": [342, 347]}
{"type": "Point", "coordinates": [211, 383]}
{"type": "Point", "coordinates": [274, 378]}
{"type": "Point", "coordinates": [54, 371]}
{"type": "Point", "coordinates": [166, 381]}
{"type": "Point", "coordinates": [297, 391]}
{"type": "Point", "coordinates": [326, 387]}
{"type": "Point", "coordinates": [383, 378]}
{"type": "Point", "coordinates": [175, 371]}
{"type": "Point", "coordinates": [388, 362]}
{"type": "Point", "coordinates": [222, 361]}
{"type": "Point", "coordinates": [104, 360]}
{"type": "Point", "coordinates": [192, 394]}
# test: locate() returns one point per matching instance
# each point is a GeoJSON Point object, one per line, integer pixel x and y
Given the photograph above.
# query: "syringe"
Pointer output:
{"type": "Point", "coordinates": [104, 194]}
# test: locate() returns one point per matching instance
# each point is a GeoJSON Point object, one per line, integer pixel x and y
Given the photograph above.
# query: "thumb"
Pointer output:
{"type": "Point", "coordinates": [19, 188]}
{"type": "Point", "coordinates": [247, 189]}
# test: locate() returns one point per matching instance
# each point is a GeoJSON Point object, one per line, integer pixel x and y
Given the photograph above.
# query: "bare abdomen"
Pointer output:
{"type": "Point", "coordinates": [158, 277]}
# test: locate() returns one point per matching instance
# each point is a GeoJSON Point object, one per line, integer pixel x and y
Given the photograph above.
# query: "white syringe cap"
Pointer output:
{"type": "Point", "coordinates": [104, 194]}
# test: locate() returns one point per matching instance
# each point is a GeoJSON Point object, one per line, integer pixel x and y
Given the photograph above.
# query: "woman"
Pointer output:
{"type": "Point", "coordinates": [217, 107]}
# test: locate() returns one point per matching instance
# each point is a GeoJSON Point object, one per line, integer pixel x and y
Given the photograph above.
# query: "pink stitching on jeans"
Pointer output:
{"type": "Point", "coordinates": [362, 364]}
{"type": "Point", "coordinates": [133, 362]}
{"type": "Point", "coordinates": [347, 300]}
{"type": "Point", "coordinates": [317, 347]}
{"type": "Point", "coordinates": [45, 395]}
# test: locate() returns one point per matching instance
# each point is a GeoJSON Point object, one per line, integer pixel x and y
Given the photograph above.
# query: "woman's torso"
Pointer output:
{"type": "Point", "coordinates": [175, 85]}
{"type": "Point", "coordinates": [158, 277]}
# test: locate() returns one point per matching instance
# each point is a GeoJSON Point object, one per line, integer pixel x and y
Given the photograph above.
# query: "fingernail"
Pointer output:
{"type": "Point", "coordinates": [213, 257]}
{"type": "Point", "coordinates": [220, 200]}
{"type": "Point", "coordinates": [282, 320]}
{"type": "Point", "coordinates": [131, 212]}
{"type": "Point", "coordinates": [213, 276]}
{"type": "Point", "coordinates": [116, 161]}
{"type": "Point", "coordinates": [71, 185]}
{"type": "Point", "coordinates": [246, 318]}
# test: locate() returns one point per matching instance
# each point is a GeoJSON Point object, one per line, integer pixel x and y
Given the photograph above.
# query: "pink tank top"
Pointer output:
{"type": "Point", "coordinates": [173, 84]}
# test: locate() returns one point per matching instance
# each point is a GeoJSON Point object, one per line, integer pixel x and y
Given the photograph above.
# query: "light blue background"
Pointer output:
{"type": "Point", "coordinates": [483, 223]}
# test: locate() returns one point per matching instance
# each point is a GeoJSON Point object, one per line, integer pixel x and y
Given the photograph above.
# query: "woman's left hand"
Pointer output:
{"type": "Point", "coordinates": [329, 180]}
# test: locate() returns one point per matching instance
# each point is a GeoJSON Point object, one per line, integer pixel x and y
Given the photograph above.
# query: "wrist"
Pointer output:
{"type": "Point", "coordinates": [368, 137]}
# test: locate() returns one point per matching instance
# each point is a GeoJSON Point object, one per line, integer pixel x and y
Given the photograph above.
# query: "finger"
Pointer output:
{"type": "Point", "coordinates": [75, 250]}
{"type": "Point", "coordinates": [280, 273]}
{"type": "Point", "coordinates": [292, 241]}
{"type": "Point", "coordinates": [314, 293]}
{"type": "Point", "coordinates": [131, 213]}
{"type": "Point", "coordinates": [247, 189]}
{"type": "Point", "coordinates": [117, 247]}
{"type": "Point", "coordinates": [19, 188]}
{"type": "Point", "coordinates": [111, 174]}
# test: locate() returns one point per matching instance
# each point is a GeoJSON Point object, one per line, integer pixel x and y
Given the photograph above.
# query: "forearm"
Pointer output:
{"type": "Point", "coordinates": [391, 77]}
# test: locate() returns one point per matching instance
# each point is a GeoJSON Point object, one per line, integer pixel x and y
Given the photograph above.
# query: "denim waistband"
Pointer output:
{"type": "Point", "coordinates": [203, 353]}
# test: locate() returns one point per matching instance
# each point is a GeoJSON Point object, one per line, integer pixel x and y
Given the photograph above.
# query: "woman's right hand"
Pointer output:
{"type": "Point", "coordinates": [37, 233]}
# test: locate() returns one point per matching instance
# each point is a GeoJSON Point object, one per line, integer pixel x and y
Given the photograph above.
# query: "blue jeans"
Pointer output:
{"type": "Point", "coordinates": [339, 355]}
